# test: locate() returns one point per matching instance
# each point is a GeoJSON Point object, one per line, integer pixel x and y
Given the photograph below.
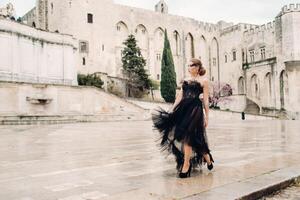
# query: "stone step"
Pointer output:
{"type": "Point", "coordinates": [34, 120]}
{"type": "Point", "coordinates": [255, 187]}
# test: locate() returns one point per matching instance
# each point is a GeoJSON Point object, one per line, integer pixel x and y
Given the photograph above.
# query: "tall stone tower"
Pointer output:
{"type": "Point", "coordinates": [161, 7]}
{"type": "Point", "coordinates": [42, 14]}
{"type": "Point", "coordinates": [287, 37]}
{"type": "Point", "coordinates": [290, 26]}
{"type": "Point", "coordinates": [54, 15]}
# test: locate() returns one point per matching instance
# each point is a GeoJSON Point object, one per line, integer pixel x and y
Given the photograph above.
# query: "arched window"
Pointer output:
{"type": "Point", "coordinates": [214, 60]}
{"type": "Point", "coordinates": [233, 55]}
{"type": "Point", "coordinates": [241, 85]}
{"type": "Point", "coordinates": [177, 43]}
{"type": "Point", "coordinates": [254, 86]}
{"type": "Point", "coordinates": [142, 37]}
{"type": "Point", "coordinates": [190, 46]}
{"type": "Point", "coordinates": [283, 88]}
{"type": "Point", "coordinates": [158, 50]}
{"type": "Point", "coordinates": [268, 84]}
{"type": "Point", "coordinates": [203, 51]}
{"type": "Point", "coordinates": [90, 18]}
{"type": "Point", "coordinates": [51, 8]}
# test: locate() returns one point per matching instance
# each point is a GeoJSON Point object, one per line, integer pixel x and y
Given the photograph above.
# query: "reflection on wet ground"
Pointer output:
{"type": "Point", "coordinates": [121, 160]}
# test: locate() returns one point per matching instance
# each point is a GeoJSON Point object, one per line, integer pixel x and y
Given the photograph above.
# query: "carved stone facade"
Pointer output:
{"type": "Point", "coordinates": [261, 63]}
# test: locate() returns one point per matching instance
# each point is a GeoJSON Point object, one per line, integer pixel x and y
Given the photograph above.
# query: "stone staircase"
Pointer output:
{"type": "Point", "coordinates": [252, 107]}
{"type": "Point", "coordinates": [69, 104]}
{"type": "Point", "coordinates": [40, 120]}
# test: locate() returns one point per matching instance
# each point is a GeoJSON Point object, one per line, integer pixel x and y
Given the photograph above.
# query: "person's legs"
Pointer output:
{"type": "Point", "coordinates": [207, 158]}
{"type": "Point", "coordinates": [187, 155]}
{"type": "Point", "coordinates": [209, 161]}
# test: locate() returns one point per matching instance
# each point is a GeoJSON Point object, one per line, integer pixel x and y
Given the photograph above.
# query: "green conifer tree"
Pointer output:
{"type": "Point", "coordinates": [134, 68]}
{"type": "Point", "coordinates": [168, 76]}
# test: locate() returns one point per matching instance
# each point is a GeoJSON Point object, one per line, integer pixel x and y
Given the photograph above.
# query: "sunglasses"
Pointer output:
{"type": "Point", "coordinates": [193, 65]}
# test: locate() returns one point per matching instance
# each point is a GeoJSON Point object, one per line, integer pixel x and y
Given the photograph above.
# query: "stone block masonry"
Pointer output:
{"type": "Point", "coordinates": [35, 56]}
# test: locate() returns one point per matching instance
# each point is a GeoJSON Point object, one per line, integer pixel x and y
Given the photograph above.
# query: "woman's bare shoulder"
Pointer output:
{"type": "Point", "coordinates": [203, 81]}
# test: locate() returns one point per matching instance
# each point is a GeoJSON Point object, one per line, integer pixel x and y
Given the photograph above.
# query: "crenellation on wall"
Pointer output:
{"type": "Point", "coordinates": [235, 29]}
{"type": "Point", "coordinates": [290, 8]}
{"type": "Point", "coordinates": [254, 30]}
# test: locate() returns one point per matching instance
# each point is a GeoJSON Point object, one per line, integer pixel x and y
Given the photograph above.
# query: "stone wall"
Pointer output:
{"type": "Point", "coordinates": [108, 30]}
{"type": "Point", "coordinates": [30, 18]}
{"type": "Point", "coordinates": [35, 56]}
{"type": "Point", "coordinates": [265, 80]}
{"type": "Point", "coordinates": [21, 99]}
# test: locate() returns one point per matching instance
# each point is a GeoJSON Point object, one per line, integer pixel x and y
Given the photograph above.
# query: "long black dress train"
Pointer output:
{"type": "Point", "coordinates": [185, 124]}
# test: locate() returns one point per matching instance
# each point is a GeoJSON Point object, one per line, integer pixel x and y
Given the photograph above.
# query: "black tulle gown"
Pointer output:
{"type": "Point", "coordinates": [185, 124]}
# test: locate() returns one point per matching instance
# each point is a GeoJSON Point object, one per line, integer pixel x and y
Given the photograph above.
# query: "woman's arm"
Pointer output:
{"type": "Point", "coordinates": [177, 100]}
{"type": "Point", "coordinates": [205, 100]}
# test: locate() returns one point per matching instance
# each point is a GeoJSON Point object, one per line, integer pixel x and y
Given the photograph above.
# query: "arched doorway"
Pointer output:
{"type": "Point", "coordinates": [254, 86]}
{"type": "Point", "coordinates": [241, 85]}
{"type": "Point", "coordinates": [214, 60]}
{"type": "Point", "coordinates": [158, 50]}
{"type": "Point", "coordinates": [283, 88]}
{"type": "Point", "coordinates": [268, 88]}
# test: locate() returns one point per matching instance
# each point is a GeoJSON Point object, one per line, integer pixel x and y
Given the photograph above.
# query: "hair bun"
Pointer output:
{"type": "Point", "coordinates": [202, 71]}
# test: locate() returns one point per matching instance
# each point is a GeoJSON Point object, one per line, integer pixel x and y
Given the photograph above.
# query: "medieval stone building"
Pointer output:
{"type": "Point", "coordinates": [260, 62]}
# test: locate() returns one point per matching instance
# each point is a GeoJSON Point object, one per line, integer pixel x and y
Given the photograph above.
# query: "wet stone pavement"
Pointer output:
{"type": "Point", "coordinates": [121, 160]}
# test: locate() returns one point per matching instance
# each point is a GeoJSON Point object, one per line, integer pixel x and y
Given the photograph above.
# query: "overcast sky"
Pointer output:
{"type": "Point", "coordinates": [248, 11]}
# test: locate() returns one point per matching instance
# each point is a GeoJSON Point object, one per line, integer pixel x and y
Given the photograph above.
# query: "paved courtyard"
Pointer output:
{"type": "Point", "coordinates": [121, 160]}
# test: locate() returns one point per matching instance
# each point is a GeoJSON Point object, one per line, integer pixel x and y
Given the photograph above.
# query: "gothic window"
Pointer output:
{"type": "Point", "coordinates": [83, 61]}
{"type": "Point", "coordinates": [241, 85]}
{"type": "Point", "coordinates": [225, 58]}
{"type": "Point", "coordinates": [157, 76]}
{"type": "Point", "coordinates": [90, 18]}
{"type": "Point", "coordinates": [251, 52]}
{"type": "Point", "coordinates": [177, 42]}
{"type": "Point", "coordinates": [254, 86]}
{"type": "Point", "coordinates": [118, 28]}
{"type": "Point", "coordinates": [234, 55]}
{"type": "Point", "coordinates": [51, 8]}
{"type": "Point", "coordinates": [158, 57]}
{"type": "Point", "coordinates": [214, 61]}
{"type": "Point", "coordinates": [263, 53]}
{"type": "Point", "coordinates": [190, 45]}
{"type": "Point", "coordinates": [83, 47]}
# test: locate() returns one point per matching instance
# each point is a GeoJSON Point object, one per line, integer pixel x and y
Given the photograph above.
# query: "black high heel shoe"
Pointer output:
{"type": "Point", "coordinates": [211, 166]}
{"type": "Point", "coordinates": [186, 174]}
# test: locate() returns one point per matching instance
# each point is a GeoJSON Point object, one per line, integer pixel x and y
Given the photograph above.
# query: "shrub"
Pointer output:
{"type": "Point", "coordinates": [90, 80]}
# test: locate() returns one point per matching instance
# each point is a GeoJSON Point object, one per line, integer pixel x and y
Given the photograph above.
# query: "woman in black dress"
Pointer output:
{"type": "Point", "coordinates": [183, 130]}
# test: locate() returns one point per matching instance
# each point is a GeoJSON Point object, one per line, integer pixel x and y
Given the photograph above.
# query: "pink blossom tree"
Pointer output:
{"type": "Point", "coordinates": [219, 92]}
